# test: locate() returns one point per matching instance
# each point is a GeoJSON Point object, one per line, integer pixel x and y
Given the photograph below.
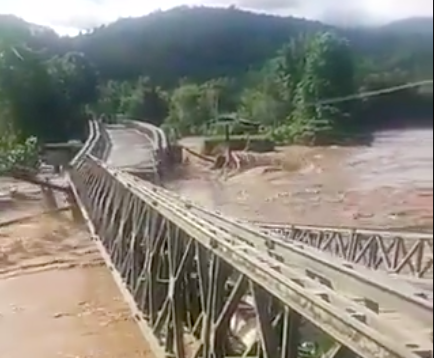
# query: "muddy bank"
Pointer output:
{"type": "Point", "coordinates": [388, 185]}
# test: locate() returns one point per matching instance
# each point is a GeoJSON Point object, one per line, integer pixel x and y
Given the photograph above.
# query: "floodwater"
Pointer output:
{"type": "Point", "coordinates": [396, 159]}
{"type": "Point", "coordinates": [57, 298]}
{"type": "Point", "coordinates": [75, 313]}
{"type": "Point", "coordinates": [386, 185]}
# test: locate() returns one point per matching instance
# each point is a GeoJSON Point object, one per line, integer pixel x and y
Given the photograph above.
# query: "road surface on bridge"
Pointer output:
{"type": "Point", "coordinates": [131, 150]}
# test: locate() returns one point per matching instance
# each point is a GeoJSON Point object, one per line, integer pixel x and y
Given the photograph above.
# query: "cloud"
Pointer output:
{"type": "Point", "coordinates": [270, 5]}
{"type": "Point", "coordinates": [73, 15]}
{"type": "Point", "coordinates": [344, 12]}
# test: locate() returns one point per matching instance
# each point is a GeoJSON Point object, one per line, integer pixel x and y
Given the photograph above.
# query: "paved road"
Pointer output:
{"type": "Point", "coordinates": [131, 150]}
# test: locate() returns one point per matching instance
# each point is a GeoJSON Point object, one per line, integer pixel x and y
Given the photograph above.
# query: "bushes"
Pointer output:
{"type": "Point", "coordinates": [13, 153]}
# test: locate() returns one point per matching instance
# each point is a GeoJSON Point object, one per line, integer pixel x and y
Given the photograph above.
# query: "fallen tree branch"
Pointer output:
{"type": "Point", "coordinates": [197, 155]}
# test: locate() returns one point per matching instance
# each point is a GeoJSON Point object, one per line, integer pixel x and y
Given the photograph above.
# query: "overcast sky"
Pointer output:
{"type": "Point", "coordinates": [67, 17]}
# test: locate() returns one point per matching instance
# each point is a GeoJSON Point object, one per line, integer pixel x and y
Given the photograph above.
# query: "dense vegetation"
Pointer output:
{"type": "Point", "coordinates": [42, 99]}
{"type": "Point", "coordinates": [185, 68]}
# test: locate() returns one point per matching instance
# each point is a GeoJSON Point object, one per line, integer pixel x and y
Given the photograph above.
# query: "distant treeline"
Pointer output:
{"type": "Point", "coordinates": [184, 68]}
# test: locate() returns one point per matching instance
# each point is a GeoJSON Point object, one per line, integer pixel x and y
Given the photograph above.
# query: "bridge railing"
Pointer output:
{"type": "Point", "coordinates": [97, 144]}
{"type": "Point", "coordinates": [401, 253]}
{"type": "Point", "coordinates": [209, 289]}
{"type": "Point", "coordinates": [102, 145]}
{"type": "Point", "coordinates": [92, 137]}
{"type": "Point", "coordinates": [155, 133]}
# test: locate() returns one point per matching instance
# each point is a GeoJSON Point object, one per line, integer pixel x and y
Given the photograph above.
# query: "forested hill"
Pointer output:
{"type": "Point", "coordinates": [204, 43]}
{"type": "Point", "coordinates": [186, 67]}
{"type": "Point", "coordinates": [198, 43]}
{"type": "Point", "coordinates": [415, 25]}
{"type": "Point", "coordinates": [16, 30]}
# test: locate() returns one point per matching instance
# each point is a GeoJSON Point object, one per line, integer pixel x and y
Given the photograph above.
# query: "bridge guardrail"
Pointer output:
{"type": "Point", "coordinates": [88, 145]}
{"type": "Point", "coordinates": [102, 145]}
{"type": "Point", "coordinates": [183, 274]}
{"type": "Point", "coordinates": [96, 145]}
{"type": "Point", "coordinates": [401, 253]}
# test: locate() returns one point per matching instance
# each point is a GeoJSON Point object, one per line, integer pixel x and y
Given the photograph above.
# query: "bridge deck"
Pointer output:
{"type": "Point", "coordinates": [130, 151]}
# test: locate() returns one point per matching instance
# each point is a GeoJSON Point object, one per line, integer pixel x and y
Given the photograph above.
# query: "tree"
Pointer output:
{"type": "Point", "coordinates": [260, 106]}
{"type": "Point", "coordinates": [42, 96]}
{"type": "Point", "coordinates": [26, 87]}
{"type": "Point", "coordinates": [328, 73]}
{"type": "Point", "coordinates": [12, 152]}
{"type": "Point", "coordinates": [287, 70]}
{"type": "Point", "coordinates": [75, 76]}
{"type": "Point", "coordinates": [112, 98]}
{"type": "Point", "coordinates": [147, 103]}
{"type": "Point", "coordinates": [74, 86]}
{"type": "Point", "coordinates": [188, 110]}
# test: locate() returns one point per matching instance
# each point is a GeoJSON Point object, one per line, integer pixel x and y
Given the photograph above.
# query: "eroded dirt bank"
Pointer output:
{"type": "Point", "coordinates": [57, 299]}
{"type": "Point", "coordinates": [388, 185]}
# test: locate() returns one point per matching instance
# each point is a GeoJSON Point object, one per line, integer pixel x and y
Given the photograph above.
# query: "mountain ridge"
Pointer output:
{"type": "Point", "coordinates": [201, 43]}
{"type": "Point", "coordinates": [416, 25]}
{"type": "Point", "coordinates": [12, 22]}
{"type": "Point", "coordinates": [411, 23]}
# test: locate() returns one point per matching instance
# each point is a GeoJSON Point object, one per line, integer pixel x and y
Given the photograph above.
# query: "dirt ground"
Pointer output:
{"type": "Point", "coordinates": [311, 186]}
{"type": "Point", "coordinates": [57, 299]}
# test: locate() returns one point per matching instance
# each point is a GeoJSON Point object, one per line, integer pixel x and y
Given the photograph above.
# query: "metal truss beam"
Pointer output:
{"type": "Point", "coordinates": [206, 292]}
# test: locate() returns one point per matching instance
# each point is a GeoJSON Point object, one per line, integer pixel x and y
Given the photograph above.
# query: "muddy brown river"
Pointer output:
{"type": "Point", "coordinates": [386, 185]}
{"type": "Point", "coordinates": [396, 159]}
{"type": "Point", "coordinates": [400, 158]}
{"type": "Point", "coordinates": [57, 298]}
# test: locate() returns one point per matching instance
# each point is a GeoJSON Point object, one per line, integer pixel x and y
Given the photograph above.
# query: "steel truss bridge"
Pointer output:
{"type": "Point", "coordinates": [203, 285]}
